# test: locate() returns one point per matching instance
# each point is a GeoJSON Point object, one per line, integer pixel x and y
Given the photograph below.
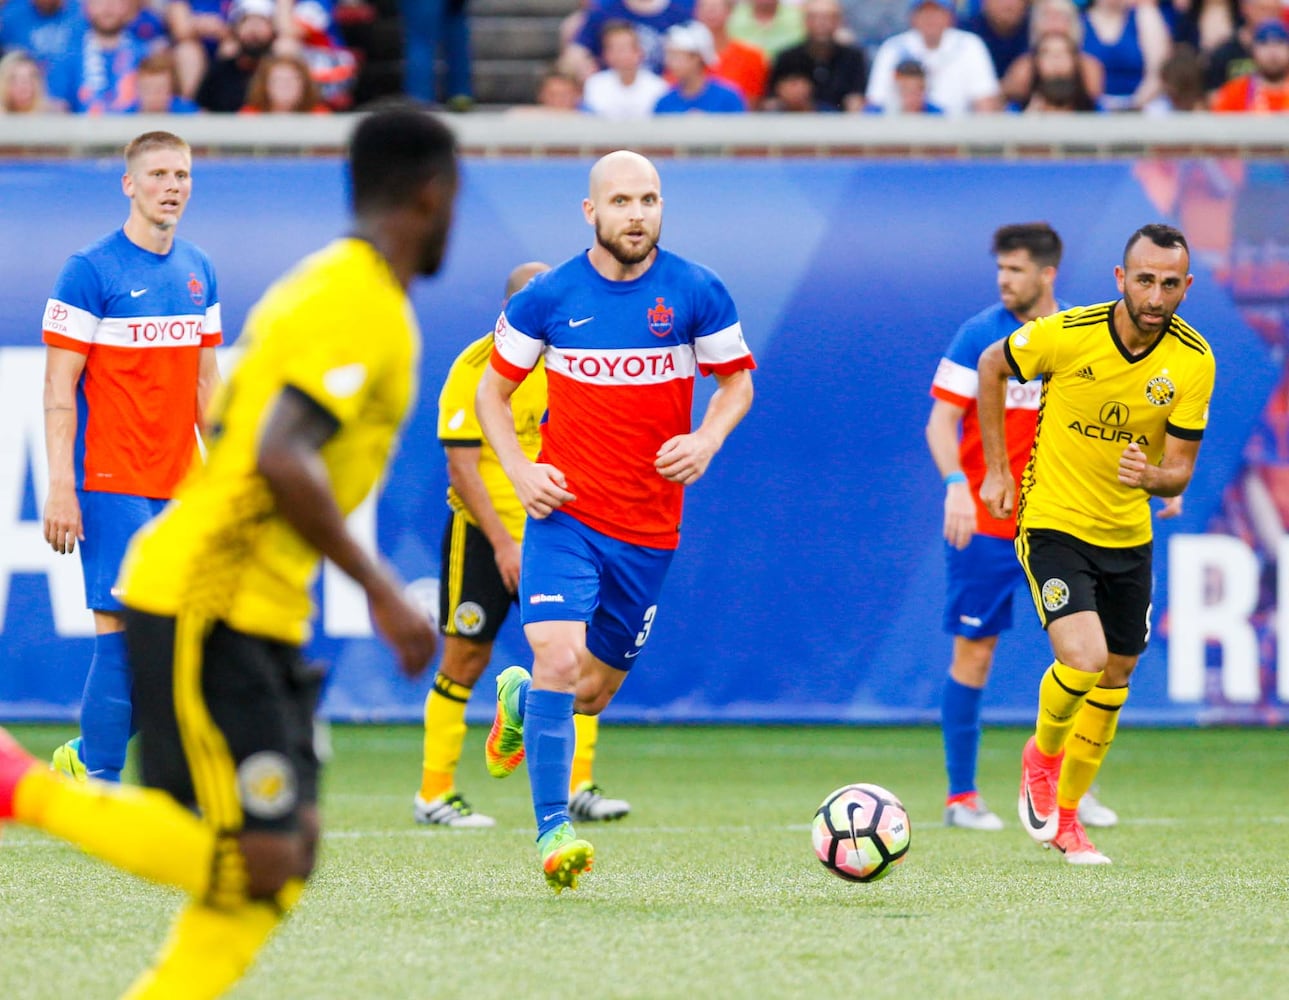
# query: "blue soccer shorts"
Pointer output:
{"type": "Point", "coordinates": [573, 573]}
{"type": "Point", "coordinates": [109, 521]}
{"type": "Point", "coordinates": [980, 581]}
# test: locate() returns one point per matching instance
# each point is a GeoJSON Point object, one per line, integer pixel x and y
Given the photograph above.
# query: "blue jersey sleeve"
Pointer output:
{"type": "Point", "coordinates": [714, 306]}
{"type": "Point", "coordinates": [79, 285]}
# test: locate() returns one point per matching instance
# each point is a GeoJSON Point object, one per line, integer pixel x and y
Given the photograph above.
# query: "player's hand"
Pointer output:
{"type": "Point", "coordinates": [683, 459]}
{"type": "Point", "coordinates": [1132, 466]}
{"type": "Point", "coordinates": [507, 558]}
{"type": "Point", "coordinates": [1172, 508]}
{"type": "Point", "coordinates": [541, 489]}
{"type": "Point", "coordinates": [401, 624]}
{"type": "Point", "coordinates": [959, 515]}
{"type": "Point", "coordinates": [63, 527]}
{"type": "Point", "coordinates": [998, 494]}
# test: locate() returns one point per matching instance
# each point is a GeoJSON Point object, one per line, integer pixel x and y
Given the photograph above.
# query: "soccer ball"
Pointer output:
{"type": "Point", "coordinates": [861, 832]}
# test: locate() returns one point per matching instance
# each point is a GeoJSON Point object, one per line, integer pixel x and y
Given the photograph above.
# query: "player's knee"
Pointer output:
{"type": "Point", "coordinates": [557, 667]}
{"type": "Point", "coordinates": [591, 702]}
{"type": "Point", "coordinates": [273, 859]}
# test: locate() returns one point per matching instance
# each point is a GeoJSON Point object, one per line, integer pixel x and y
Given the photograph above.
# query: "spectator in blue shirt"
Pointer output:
{"type": "Point", "coordinates": [100, 73]}
{"type": "Point", "coordinates": [158, 88]}
{"type": "Point", "coordinates": [651, 19]}
{"type": "Point", "coordinates": [910, 86]}
{"type": "Point", "coordinates": [1003, 25]}
{"type": "Point", "coordinates": [45, 29]}
{"type": "Point", "coordinates": [689, 51]}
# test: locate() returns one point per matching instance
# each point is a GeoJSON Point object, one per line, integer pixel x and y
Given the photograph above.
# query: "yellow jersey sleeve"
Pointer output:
{"type": "Point", "coordinates": [458, 420]}
{"type": "Point", "coordinates": [343, 358]}
{"type": "Point", "coordinates": [1036, 348]}
{"type": "Point", "coordinates": [1189, 415]}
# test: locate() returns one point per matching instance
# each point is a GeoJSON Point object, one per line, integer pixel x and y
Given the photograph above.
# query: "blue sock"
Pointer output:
{"type": "Point", "coordinates": [107, 709]}
{"type": "Point", "coordinates": [960, 723]}
{"type": "Point", "coordinates": [548, 740]}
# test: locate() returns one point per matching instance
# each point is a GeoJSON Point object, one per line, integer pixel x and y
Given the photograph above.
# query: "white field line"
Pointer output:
{"type": "Point", "coordinates": [18, 839]}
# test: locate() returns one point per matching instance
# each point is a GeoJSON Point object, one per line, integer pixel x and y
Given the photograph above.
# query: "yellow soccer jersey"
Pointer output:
{"type": "Point", "coordinates": [459, 425]}
{"type": "Point", "coordinates": [1095, 400]}
{"type": "Point", "coordinates": [338, 328]}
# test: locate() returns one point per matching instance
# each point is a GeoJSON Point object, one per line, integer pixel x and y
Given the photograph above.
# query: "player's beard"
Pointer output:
{"type": "Point", "coordinates": [623, 255]}
{"type": "Point", "coordinates": [1134, 314]}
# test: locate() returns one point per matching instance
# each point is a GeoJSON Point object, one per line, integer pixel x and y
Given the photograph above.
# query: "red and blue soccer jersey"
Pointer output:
{"type": "Point", "coordinates": [141, 320]}
{"type": "Point", "coordinates": [620, 363]}
{"type": "Point", "coordinates": [956, 382]}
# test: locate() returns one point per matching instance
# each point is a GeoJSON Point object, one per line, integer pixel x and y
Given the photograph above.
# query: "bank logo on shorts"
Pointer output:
{"type": "Point", "coordinates": [266, 784]}
{"type": "Point", "coordinates": [469, 618]}
{"type": "Point", "coordinates": [1056, 594]}
{"type": "Point", "coordinates": [1160, 390]}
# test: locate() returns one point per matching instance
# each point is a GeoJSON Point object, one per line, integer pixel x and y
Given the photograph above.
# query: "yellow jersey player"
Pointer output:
{"type": "Point", "coordinates": [216, 589]}
{"type": "Point", "coordinates": [1125, 396]}
{"type": "Point", "coordinates": [480, 582]}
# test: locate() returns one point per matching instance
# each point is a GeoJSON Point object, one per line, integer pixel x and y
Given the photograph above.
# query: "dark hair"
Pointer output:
{"type": "Point", "coordinates": [1060, 93]}
{"type": "Point", "coordinates": [393, 152]}
{"type": "Point", "coordinates": [1159, 233]}
{"type": "Point", "coordinates": [1038, 238]}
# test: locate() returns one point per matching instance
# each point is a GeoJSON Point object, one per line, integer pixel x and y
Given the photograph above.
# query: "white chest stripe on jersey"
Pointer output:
{"type": "Point", "coordinates": [626, 366]}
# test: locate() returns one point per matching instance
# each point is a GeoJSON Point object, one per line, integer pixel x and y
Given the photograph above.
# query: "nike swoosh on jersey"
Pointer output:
{"type": "Point", "coordinates": [134, 294]}
{"type": "Point", "coordinates": [580, 322]}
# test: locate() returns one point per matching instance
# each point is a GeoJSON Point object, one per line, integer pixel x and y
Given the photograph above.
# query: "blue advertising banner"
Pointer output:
{"type": "Point", "coordinates": [809, 582]}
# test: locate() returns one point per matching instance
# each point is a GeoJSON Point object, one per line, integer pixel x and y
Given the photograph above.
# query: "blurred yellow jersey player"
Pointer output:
{"type": "Point", "coordinates": [480, 581]}
{"type": "Point", "coordinates": [222, 550]}
{"type": "Point", "coordinates": [217, 590]}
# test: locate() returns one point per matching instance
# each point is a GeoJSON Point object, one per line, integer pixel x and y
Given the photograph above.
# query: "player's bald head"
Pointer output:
{"type": "Point", "coordinates": [622, 167]}
{"type": "Point", "coordinates": [523, 274]}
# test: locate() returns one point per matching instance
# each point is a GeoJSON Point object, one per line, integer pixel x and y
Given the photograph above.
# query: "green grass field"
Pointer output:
{"type": "Point", "coordinates": [710, 888]}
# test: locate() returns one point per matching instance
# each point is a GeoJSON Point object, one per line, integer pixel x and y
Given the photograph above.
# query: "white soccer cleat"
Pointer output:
{"type": "Point", "coordinates": [971, 814]}
{"type": "Point", "coordinates": [588, 805]}
{"type": "Point", "coordinates": [1094, 813]}
{"type": "Point", "coordinates": [449, 810]}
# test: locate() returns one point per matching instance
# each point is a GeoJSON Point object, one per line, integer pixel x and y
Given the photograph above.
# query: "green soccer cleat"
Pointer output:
{"type": "Point", "coordinates": [504, 749]}
{"type": "Point", "coordinates": [564, 857]}
{"type": "Point", "coordinates": [67, 760]}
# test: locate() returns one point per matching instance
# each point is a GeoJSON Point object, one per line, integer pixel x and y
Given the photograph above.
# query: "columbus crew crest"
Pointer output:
{"type": "Point", "coordinates": [469, 618]}
{"type": "Point", "coordinates": [1160, 390]}
{"type": "Point", "coordinates": [1056, 594]}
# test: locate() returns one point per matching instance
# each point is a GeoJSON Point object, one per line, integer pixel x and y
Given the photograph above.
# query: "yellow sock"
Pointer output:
{"type": "Point", "coordinates": [1088, 743]}
{"type": "Point", "coordinates": [210, 949]}
{"type": "Point", "coordinates": [139, 830]}
{"type": "Point", "coordinates": [444, 736]}
{"type": "Point", "coordinates": [1059, 696]}
{"type": "Point", "coordinates": [587, 730]}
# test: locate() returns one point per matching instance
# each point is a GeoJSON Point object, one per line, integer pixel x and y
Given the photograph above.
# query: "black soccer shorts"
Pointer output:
{"type": "Point", "coordinates": [225, 720]}
{"type": "Point", "coordinates": [1067, 574]}
{"type": "Point", "coordinates": [473, 599]}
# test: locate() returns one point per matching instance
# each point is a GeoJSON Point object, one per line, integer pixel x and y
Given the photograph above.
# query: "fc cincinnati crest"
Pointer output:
{"type": "Point", "coordinates": [1160, 390]}
{"type": "Point", "coordinates": [196, 289]}
{"type": "Point", "coordinates": [1056, 594]}
{"type": "Point", "coordinates": [660, 318]}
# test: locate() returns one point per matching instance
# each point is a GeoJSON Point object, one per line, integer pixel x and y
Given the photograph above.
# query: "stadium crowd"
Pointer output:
{"type": "Point", "coordinates": [636, 58]}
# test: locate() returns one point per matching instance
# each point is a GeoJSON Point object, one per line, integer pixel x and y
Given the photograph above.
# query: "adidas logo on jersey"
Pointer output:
{"type": "Point", "coordinates": [1086, 372]}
